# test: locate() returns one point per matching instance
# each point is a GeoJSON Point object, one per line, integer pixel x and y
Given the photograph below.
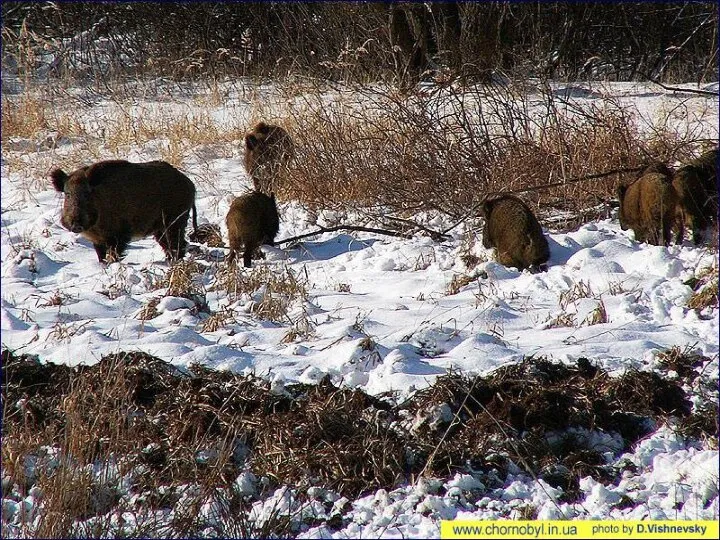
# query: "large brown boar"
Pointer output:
{"type": "Point", "coordinates": [696, 186]}
{"type": "Point", "coordinates": [512, 228]}
{"type": "Point", "coordinates": [268, 148]}
{"type": "Point", "coordinates": [251, 221]}
{"type": "Point", "coordinates": [113, 202]}
{"type": "Point", "coordinates": [648, 206]}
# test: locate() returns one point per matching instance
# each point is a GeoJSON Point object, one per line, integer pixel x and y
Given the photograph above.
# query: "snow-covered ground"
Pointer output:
{"type": "Point", "coordinates": [58, 302]}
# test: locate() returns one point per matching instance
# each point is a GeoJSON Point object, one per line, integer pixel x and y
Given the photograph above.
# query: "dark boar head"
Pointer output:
{"type": "Point", "coordinates": [79, 212]}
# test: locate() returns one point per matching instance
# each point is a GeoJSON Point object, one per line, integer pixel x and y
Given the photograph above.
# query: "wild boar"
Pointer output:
{"type": "Point", "coordinates": [251, 221]}
{"type": "Point", "coordinates": [268, 149]}
{"type": "Point", "coordinates": [512, 228]}
{"type": "Point", "coordinates": [113, 202]}
{"type": "Point", "coordinates": [696, 186]}
{"type": "Point", "coordinates": [648, 207]}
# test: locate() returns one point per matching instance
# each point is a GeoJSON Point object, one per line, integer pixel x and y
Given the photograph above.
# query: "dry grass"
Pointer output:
{"type": "Point", "coordinates": [133, 425]}
{"type": "Point", "coordinates": [208, 234]}
{"type": "Point", "coordinates": [149, 310]}
{"type": "Point", "coordinates": [274, 292]}
{"type": "Point", "coordinates": [705, 289]}
{"type": "Point", "coordinates": [437, 150]}
{"type": "Point", "coordinates": [33, 115]}
{"type": "Point", "coordinates": [579, 290]}
{"type": "Point", "coordinates": [24, 117]}
{"type": "Point", "coordinates": [457, 283]}
{"type": "Point", "coordinates": [563, 320]}
{"type": "Point", "coordinates": [180, 135]}
{"type": "Point", "coordinates": [598, 315]}
{"type": "Point", "coordinates": [219, 319]}
{"type": "Point", "coordinates": [43, 122]}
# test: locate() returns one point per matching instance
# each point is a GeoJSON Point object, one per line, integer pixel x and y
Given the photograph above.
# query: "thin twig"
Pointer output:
{"type": "Point", "coordinates": [688, 90]}
{"type": "Point", "coordinates": [594, 176]}
{"type": "Point", "coordinates": [359, 228]}
{"type": "Point", "coordinates": [473, 210]}
{"type": "Point", "coordinates": [435, 235]}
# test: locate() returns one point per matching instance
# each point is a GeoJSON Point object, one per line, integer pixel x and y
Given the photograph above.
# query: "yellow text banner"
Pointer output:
{"type": "Point", "coordinates": [579, 529]}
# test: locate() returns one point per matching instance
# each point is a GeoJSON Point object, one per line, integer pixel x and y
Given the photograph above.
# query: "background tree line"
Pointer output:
{"type": "Point", "coordinates": [370, 41]}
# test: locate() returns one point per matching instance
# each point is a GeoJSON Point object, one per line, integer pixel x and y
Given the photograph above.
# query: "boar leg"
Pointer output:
{"type": "Point", "coordinates": [250, 247]}
{"type": "Point", "coordinates": [667, 232]}
{"type": "Point", "coordinates": [679, 227]}
{"type": "Point", "coordinates": [172, 238]}
{"type": "Point", "coordinates": [101, 250]}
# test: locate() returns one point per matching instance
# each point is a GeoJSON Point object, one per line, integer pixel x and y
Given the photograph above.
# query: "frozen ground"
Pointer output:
{"type": "Point", "coordinates": [58, 302]}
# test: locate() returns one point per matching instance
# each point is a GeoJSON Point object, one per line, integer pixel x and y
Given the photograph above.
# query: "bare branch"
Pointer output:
{"type": "Point", "coordinates": [358, 228]}
{"type": "Point", "coordinates": [688, 90]}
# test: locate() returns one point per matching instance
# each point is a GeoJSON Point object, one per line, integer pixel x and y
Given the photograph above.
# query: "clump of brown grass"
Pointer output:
{"type": "Point", "coordinates": [24, 117]}
{"type": "Point", "coordinates": [183, 133]}
{"type": "Point", "coordinates": [184, 279]}
{"type": "Point", "coordinates": [705, 289]}
{"type": "Point", "coordinates": [579, 290]}
{"type": "Point", "coordinates": [563, 320]}
{"type": "Point", "coordinates": [466, 251]}
{"type": "Point", "coordinates": [273, 293]}
{"type": "Point", "coordinates": [149, 310]}
{"type": "Point", "coordinates": [598, 315]}
{"type": "Point", "coordinates": [208, 233]}
{"type": "Point", "coordinates": [217, 320]}
{"type": "Point", "coordinates": [33, 113]}
{"type": "Point", "coordinates": [683, 361]}
{"type": "Point", "coordinates": [181, 279]}
{"type": "Point", "coordinates": [459, 281]}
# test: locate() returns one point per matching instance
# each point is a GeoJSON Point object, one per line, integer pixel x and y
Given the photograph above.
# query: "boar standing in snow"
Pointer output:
{"type": "Point", "coordinates": [696, 186]}
{"type": "Point", "coordinates": [113, 202]}
{"type": "Point", "coordinates": [648, 206]}
{"type": "Point", "coordinates": [268, 148]}
{"type": "Point", "coordinates": [251, 221]}
{"type": "Point", "coordinates": [512, 228]}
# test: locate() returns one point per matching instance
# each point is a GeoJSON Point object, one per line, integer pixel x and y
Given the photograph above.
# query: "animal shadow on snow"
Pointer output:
{"type": "Point", "coordinates": [328, 249]}
{"type": "Point", "coordinates": [561, 253]}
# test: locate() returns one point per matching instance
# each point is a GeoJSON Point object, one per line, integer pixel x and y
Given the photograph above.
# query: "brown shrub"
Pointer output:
{"type": "Point", "coordinates": [512, 228]}
{"type": "Point", "coordinates": [113, 202]}
{"type": "Point", "coordinates": [251, 221]}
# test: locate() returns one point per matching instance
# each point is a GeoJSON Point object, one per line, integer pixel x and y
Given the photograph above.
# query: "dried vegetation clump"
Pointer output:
{"type": "Point", "coordinates": [705, 289]}
{"type": "Point", "coordinates": [437, 149]}
{"type": "Point", "coordinates": [273, 293]}
{"type": "Point", "coordinates": [530, 414]}
{"type": "Point", "coordinates": [155, 428]}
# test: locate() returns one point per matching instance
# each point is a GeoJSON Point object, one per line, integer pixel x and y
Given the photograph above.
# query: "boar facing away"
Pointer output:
{"type": "Point", "coordinates": [648, 207]}
{"type": "Point", "coordinates": [251, 222]}
{"type": "Point", "coordinates": [512, 228]}
{"type": "Point", "coordinates": [113, 202]}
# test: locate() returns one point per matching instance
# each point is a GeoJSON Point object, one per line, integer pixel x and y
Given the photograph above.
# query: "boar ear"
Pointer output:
{"type": "Point", "coordinates": [58, 178]}
{"type": "Point", "coordinates": [272, 196]}
{"type": "Point", "coordinates": [251, 141]}
{"type": "Point", "coordinates": [485, 208]}
{"type": "Point", "coordinates": [620, 191]}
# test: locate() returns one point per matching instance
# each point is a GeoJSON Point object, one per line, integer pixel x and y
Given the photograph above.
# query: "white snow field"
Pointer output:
{"type": "Point", "coordinates": [59, 303]}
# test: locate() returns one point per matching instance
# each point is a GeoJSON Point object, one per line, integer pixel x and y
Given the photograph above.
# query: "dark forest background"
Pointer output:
{"type": "Point", "coordinates": [400, 42]}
